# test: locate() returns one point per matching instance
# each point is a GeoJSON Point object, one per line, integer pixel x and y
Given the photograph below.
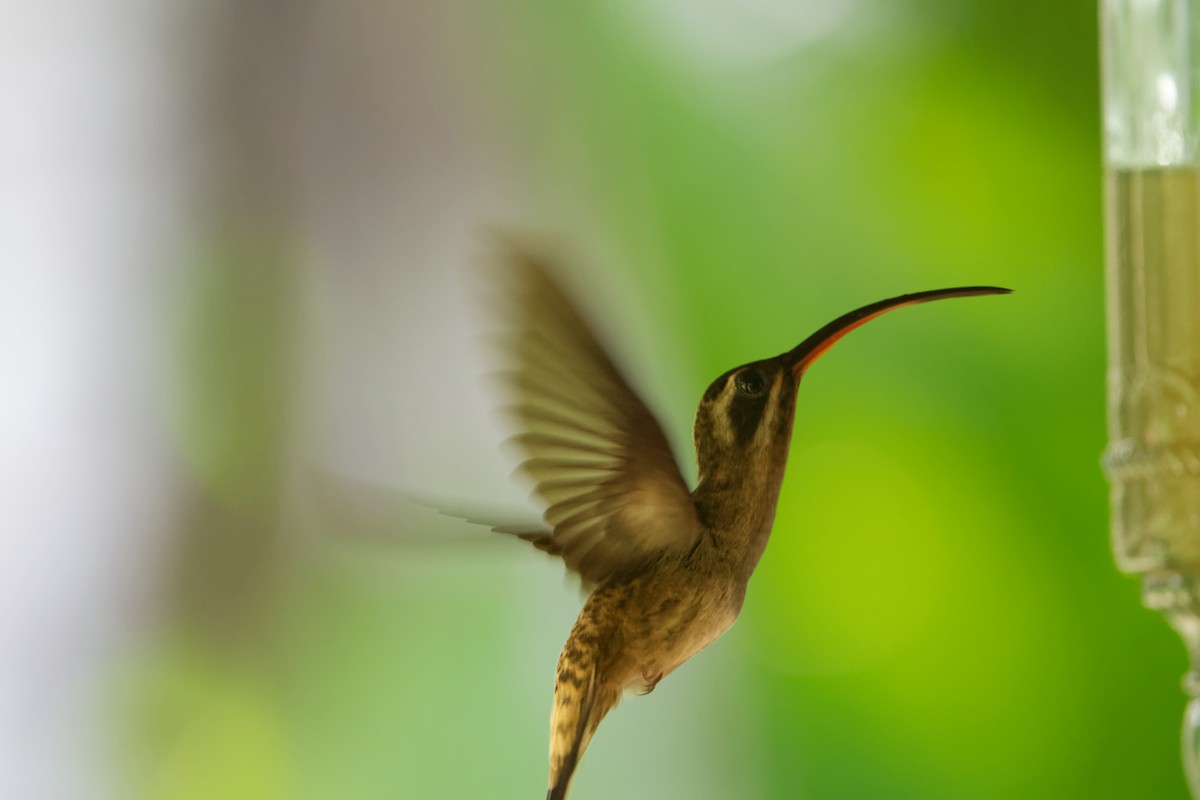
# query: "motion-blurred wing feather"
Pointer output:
{"type": "Point", "coordinates": [597, 457]}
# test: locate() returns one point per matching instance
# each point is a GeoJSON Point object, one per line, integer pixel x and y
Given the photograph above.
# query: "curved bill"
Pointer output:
{"type": "Point", "coordinates": [804, 354]}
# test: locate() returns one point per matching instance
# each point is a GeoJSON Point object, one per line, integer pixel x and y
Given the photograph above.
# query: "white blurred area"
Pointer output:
{"type": "Point", "coordinates": [91, 210]}
{"type": "Point", "coordinates": [718, 35]}
{"type": "Point", "coordinates": [102, 159]}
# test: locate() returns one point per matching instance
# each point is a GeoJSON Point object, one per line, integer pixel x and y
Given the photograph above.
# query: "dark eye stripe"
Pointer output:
{"type": "Point", "coordinates": [745, 414]}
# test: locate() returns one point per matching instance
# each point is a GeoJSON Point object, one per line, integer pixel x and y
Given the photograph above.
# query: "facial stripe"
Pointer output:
{"type": "Point", "coordinates": [766, 429]}
{"type": "Point", "coordinates": [712, 425]}
{"type": "Point", "coordinates": [744, 414]}
{"type": "Point", "coordinates": [726, 432]}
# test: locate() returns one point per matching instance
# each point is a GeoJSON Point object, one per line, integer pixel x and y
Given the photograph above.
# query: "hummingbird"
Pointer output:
{"type": "Point", "coordinates": [666, 567]}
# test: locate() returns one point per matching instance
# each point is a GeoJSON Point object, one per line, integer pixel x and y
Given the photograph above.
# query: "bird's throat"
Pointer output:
{"type": "Point", "coordinates": [737, 507]}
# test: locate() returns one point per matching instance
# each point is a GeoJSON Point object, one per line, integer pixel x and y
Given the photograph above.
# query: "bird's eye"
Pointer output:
{"type": "Point", "coordinates": [750, 383]}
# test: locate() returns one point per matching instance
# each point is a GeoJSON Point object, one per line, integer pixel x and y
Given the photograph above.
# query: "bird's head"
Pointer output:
{"type": "Point", "coordinates": [743, 426]}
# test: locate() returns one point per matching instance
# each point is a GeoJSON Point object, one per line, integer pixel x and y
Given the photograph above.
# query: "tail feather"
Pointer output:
{"type": "Point", "coordinates": [569, 726]}
{"type": "Point", "coordinates": [581, 700]}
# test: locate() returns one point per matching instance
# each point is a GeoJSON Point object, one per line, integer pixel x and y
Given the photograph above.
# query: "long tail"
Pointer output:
{"type": "Point", "coordinates": [581, 699]}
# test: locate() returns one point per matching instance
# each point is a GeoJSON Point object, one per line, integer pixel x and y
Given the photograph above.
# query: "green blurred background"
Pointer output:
{"type": "Point", "coordinates": [937, 615]}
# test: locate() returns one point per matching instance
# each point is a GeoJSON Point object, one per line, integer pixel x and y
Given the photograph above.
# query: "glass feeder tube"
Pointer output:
{"type": "Point", "coordinates": [1150, 57]}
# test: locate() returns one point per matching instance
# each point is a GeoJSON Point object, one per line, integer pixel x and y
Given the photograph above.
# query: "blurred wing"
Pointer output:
{"type": "Point", "coordinates": [615, 498]}
{"type": "Point", "coordinates": [359, 509]}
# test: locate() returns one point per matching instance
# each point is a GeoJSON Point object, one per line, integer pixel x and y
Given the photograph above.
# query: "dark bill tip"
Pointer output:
{"type": "Point", "coordinates": [801, 357]}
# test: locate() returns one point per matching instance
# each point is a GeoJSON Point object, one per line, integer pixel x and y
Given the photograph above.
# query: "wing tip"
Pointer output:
{"type": "Point", "coordinates": [540, 538]}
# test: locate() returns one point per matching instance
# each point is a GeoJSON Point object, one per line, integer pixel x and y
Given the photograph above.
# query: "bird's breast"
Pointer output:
{"type": "Point", "coordinates": [674, 621]}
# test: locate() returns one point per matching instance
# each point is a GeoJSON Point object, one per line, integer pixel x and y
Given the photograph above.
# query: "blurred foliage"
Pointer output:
{"type": "Point", "coordinates": [937, 615]}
